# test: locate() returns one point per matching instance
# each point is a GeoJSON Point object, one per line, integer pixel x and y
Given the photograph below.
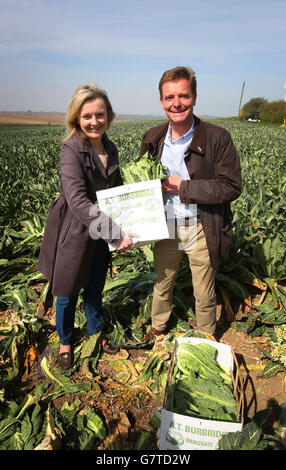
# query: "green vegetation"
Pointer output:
{"type": "Point", "coordinates": [255, 263]}
{"type": "Point", "coordinates": [200, 387]}
{"type": "Point", "coordinates": [260, 108]}
{"type": "Point", "coordinates": [253, 436]}
{"type": "Point", "coordinates": [143, 169]}
{"type": "Point", "coordinates": [253, 273]}
{"type": "Point", "coordinates": [252, 108]}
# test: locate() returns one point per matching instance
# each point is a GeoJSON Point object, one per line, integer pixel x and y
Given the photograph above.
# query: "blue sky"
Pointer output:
{"type": "Point", "coordinates": [49, 47]}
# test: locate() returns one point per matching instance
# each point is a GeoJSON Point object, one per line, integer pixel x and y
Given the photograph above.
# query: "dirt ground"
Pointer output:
{"type": "Point", "coordinates": [46, 119]}
{"type": "Point", "coordinates": [259, 393]}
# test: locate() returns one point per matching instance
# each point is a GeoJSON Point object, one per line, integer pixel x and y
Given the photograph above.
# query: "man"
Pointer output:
{"type": "Point", "coordinates": [205, 175]}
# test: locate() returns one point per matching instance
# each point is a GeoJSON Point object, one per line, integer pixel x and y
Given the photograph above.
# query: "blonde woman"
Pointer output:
{"type": "Point", "coordinates": [70, 258]}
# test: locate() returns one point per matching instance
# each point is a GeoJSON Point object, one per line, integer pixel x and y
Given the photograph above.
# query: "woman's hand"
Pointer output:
{"type": "Point", "coordinates": [126, 242]}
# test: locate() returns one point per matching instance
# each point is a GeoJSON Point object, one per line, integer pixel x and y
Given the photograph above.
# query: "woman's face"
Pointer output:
{"type": "Point", "coordinates": [93, 118]}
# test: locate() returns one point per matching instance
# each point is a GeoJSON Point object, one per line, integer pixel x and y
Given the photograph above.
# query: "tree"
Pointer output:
{"type": "Point", "coordinates": [274, 111]}
{"type": "Point", "coordinates": [252, 108]}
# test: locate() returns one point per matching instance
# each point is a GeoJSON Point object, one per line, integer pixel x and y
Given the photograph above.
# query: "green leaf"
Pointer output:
{"type": "Point", "coordinates": [85, 440]}
{"type": "Point", "coordinates": [271, 369]}
{"type": "Point", "coordinates": [230, 441]}
{"type": "Point", "coordinates": [16, 441]}
{"type": "Point", "coordinates": [148, 253]}
{"type": "Point", "coordinates": [95, 424]}
{"type": "Point", "coordinates": [26, 428]}
{"type": "Point", "coordinates": [143, 442]}
{"type": "Point", "coordinates": [251, 435]}
{"type": "Point", "coordinates": [271, 315]}
{"type": "Point", "coordinates": [89, 347]}
{"type": "Point", "coordinates": [4, 262]}
{"type": "Point", "coordinates": [247, 439]}
{"type": "Point", "coordinates": [7, 428]}
{"type": "Point", "coordinates": [37, 419]}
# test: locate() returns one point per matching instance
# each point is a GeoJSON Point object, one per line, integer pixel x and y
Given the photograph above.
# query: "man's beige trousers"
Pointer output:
{"type": "Point", "coordinates": [167, 256]}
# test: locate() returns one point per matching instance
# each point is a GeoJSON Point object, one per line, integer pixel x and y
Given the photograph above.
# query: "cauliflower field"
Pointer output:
{"type": "Point", "coordinates": [252, 275]}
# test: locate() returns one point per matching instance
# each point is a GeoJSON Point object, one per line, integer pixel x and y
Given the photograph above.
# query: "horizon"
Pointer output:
{"type": "Point", "coordinates": [30, 111]}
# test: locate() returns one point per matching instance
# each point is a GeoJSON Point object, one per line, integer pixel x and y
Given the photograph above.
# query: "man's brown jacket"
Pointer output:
{"type": "Point", "coordinates": [214, 168]}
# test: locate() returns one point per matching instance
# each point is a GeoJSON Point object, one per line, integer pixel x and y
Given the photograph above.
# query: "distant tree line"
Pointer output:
{"type": "Point", "coordinates": [261, 108]}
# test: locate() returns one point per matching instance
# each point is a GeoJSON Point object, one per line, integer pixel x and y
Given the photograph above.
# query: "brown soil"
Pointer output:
{"type": "Point", "coordinates": [259, 393]}
{"type": "Point", "coordinates": [46, 119]}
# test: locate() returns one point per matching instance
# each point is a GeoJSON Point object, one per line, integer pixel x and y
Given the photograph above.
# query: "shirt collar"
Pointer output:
{"type": "Point", "coordinates": [183, 139]}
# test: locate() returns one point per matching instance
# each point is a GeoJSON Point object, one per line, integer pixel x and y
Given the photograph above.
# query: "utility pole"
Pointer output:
{"type": "Point", "coordinates": [240, 99]}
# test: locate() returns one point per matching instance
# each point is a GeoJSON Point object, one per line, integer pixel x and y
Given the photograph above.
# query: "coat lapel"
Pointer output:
{"type": "Point", "coordinates": [91, 159]}
{"type": "Point", "coordinates": [198, 143]}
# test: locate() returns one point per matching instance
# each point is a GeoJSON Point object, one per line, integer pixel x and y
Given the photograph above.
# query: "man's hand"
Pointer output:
{"type": "Point", "coordinates": [172, 184]}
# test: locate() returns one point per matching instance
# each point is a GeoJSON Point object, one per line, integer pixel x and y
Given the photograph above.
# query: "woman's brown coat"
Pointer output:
{"type": "Point", "coordinates": [67, 249]}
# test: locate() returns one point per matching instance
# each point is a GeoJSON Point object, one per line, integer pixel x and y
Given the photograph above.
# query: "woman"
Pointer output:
{"type": "Point", "coordinates": [70, 258]}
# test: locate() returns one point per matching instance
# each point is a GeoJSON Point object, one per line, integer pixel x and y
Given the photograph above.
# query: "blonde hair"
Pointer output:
{"type": "Point", "coordinates": [178, 73]}
{"type": "Point", "coordinates": [83, 93]}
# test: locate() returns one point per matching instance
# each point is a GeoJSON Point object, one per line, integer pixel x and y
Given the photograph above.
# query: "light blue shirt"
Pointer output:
{"type": "Point", "coordinates": [173, 157]}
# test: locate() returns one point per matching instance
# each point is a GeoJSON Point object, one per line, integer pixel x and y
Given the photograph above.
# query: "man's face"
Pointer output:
{"type": "Point", "coordinates": [178, 101]}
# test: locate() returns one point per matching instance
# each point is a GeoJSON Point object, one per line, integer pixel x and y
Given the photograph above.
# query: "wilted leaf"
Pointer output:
{"type": "Point", "coordinates": [52, 376]}
{"type": "Point", "coordinates": [271, 369]}
{"type": "Point", "coordinates": [51, 440]}
{"type": "Point", "coordinates": [31, 355]}
{"type": "Point", "coordinates": [230, 315]}
{"type": "Point", "coordinates": [89, 346]}
{"type": "Point", "coordinates": [124, 369]}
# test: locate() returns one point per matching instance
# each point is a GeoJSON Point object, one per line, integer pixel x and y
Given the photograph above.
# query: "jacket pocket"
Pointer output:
{"type": "Point", "coordinates": [65, 233]}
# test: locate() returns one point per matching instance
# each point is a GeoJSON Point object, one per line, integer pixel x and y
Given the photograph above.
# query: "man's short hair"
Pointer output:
{"type": "Point", "coordinates": [178, 73]}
